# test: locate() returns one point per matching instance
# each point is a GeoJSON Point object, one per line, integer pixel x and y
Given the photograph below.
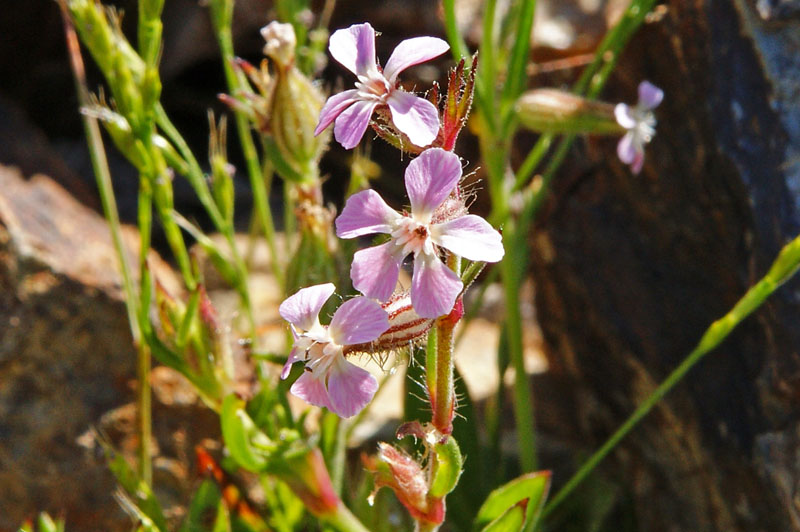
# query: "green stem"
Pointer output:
{"type": "Point", "coordinates": [200, 186]}
{"type": "Point", "coordinates": [457, 42]}
{"type": "Point", "coordinates": [512, 268]}
{"type": "Point", "coordinates": [443, 406]}
{"type": "Point", "coordinates": [343, 520]}
{"type": "Point", "coordinates": [143, 362]}
{"type": "Point", "coordinates": [102, 174]}
{"type": "Point", "coordinates": [195, 174]}
{"type": "Point", "coordinates": [108, 201]}
{"type": "Point", "coordinates": [784, 267]}
{"type": "Point", "coordinates": [254, 170]}
{"type": "Point", "coordinates": [431, 372]}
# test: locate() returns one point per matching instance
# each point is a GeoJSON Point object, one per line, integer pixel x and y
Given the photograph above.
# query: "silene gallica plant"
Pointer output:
{"type": "Point", "coordinates": [283, 124]}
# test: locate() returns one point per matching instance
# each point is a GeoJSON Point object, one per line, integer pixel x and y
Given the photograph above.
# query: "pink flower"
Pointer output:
{"type": "Point", "coordinates": [430, 178]}
{"type": "Point", "coordinates": [352, 109]}
{"type": "Point", "coordinates": [330, 380]}
{"type": "Point", "coordinates": [640, 123]}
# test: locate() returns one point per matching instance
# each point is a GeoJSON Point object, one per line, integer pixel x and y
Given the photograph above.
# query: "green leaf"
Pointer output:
{"type": "Point", "coordinates": [205, 503]}
{"type": "Point", "coordinates": [512, 520]}
{"type": "Point", "coordinates": [532, 487]}
{"type": "Point", "coordinates": [246, 443]}
{"type": "Point", "coordinates": [141, 498]}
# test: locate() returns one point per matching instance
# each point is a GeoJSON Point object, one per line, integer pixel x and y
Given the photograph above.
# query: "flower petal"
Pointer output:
{"type": "Point", "coordinates": [365, 213]}
{"type": "Point", "coordinates": [350, 388]}
{"type": "Point", "coordinates": [649, 95]}
{"type": "Point", "coordinates": [626, 148]}
{"type": "Point", "coordinates": [624, 115]}
{"type": "Point", "coordinates": [638, 162]}
{"type": "Point", "coordinates": [375, 270]}
{"type": "Point", "coordinates": [302, 309]}
{"type": "Point", "coordinates": [354, 48]}
{"type": "Point", "coordinates": [357, 321]}
{"type": "Point", "coordinates": [297, 354]}
{"type": "Point", "coordinates": [311, 390]}
{"type": "Point", "coordinates": [413, 52]}
{"type": "Point", "coordinates": [414, 116]}
{"type": "Point", "coordinates": [352, 123]}
{"type": "Point", "coordinates": [471, 237]}
{"type": "Point", "coordinates": [434, 287]}
{"type": "Point", "coordinates": [430, 178]}
{"type": "Point", "coordinates": [334, 107]}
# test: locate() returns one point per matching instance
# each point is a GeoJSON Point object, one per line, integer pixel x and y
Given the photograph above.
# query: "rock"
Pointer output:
{"type": "Point", "coordinates": [630, 270]}
{"type": "Point", "coordinates": [67, 360]}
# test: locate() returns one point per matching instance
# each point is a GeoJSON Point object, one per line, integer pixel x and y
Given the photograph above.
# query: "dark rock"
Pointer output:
{"type": "Point", "coordinates": [630, 270]}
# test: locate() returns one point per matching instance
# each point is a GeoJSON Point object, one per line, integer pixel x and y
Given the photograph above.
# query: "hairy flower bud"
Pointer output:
{"type": "Point", "coordinates": [398, 471]}
{"type": "Point", "coordinates": [555, 111]}
{"type": "Point", "coordinates": [405, 327]}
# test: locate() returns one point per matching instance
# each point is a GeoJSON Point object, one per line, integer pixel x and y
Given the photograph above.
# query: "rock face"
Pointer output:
{"type": "Point", "coordinates": [630, 270]}
{"type": "Point", "coordinates": [67, 360]}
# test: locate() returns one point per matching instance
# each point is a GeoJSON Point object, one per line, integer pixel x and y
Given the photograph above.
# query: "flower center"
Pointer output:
{"type": "Point", "coordinates": [413, 236]}
{"type": "Point", "coordinates": [321, 355]}
{"type": "Point", "coordinates": [373, 86]}
{"type": "Point", "coordinates": [645, 126]}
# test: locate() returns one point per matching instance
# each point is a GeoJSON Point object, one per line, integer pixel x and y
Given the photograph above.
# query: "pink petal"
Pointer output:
{"type": "Point", "coordinates": [649, 95]}
{"type": "Point", "coordinates": [302, 309]}
{"type": "Point", "coordinates": [470, 237]}
{"type": "Point", "coordinates": [414, 116]}
{"type": "Point", "coordinates": [434, 287]}
{"type": "Point", "coordinates": [365, 213]}
{"type": "Point", "coordinates": [413, 52]}
{"type": "Point", "coordinates": [350, 388]}
{"type": "Point", "coordinates": [334, 107]}
{"type": "Point", "coordinates": [354, 48]}
{"type": "Point", "coordinates": [624, 116]}
{"type": "Point", "coordinates": [296, 355]}
{"type": "Point", "coordinates": [626, 151]}
{"type": "Point", "coordinates": [352, 123]}
{"type": "Point", "coordinates": [638, 162]}
{"type": "Point", "coordinates": [357, 321]}
{"type": "Point", "coordinates": [430, 178]}
{"type": "Point", "coordinates": [311, 390]}
{"type": "Point", "coordinates": [375, 270]}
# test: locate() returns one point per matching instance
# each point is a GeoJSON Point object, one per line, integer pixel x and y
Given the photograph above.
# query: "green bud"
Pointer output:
{"type": "Point", "coordinates": [120, 132]}
{"type": "Point", "coordinates": [555, 111]}
{"type": "Point", "coordinates": [447, 467]}
{"type": "Point", "coordinates": [296, 105]}
{"type": "Point", "coordinates": [222, 185]}
{"type": "Point", "coordinates": [151, 88]}
{"type": "Point", "coordinates": [171, 155]}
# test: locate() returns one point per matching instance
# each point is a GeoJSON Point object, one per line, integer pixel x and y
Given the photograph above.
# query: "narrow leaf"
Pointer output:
{"type": "Point", "coordinates": [512, 520]}
{"type": "Point", "coordinates": [530, 486]}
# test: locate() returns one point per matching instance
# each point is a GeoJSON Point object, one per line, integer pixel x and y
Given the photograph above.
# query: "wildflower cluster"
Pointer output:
{"type": "Point", "coordinates": [437, 225]}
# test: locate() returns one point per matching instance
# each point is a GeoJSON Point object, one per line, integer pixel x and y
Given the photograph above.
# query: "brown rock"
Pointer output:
{"type": "Point", "coordinates": [66, 359]}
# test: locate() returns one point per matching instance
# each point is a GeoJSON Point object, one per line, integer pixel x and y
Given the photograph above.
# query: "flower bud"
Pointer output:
{"type": "Point", "coordinates": [398, 471]}
{"type": "Point", "coordinates": [296, 104]}
{"type": "Point", "coordinates": [305, 473]}
{"type": "Point", "coordinates": [281, 43]}
{"type": "Point", "coordinates": [555, 111]}
{"type": "Point", "coordinates": [405, 327]}
{"type": "Point", "coordinates": [285, 107]}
